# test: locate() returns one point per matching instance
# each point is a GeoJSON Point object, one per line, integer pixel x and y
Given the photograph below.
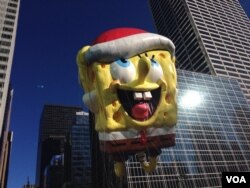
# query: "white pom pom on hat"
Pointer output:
{"type": "Point", "coordinates": [125, 43]}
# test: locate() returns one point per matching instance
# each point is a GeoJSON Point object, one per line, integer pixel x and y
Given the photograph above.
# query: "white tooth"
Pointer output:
{"type": "Point", "coordinates": [137, 96]}
{"type": "Point", "coordinates": [147, 95]}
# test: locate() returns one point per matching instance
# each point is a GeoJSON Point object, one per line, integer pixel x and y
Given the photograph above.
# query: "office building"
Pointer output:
{"type": "Point", "coordinates": [212, 136]}
{"type": "Point", "coordinates": [54, 131]}
{"type": "Point", "coordinates": [5, 157]}
{"type": "Point", "coordinates": [210, 36]}
{"type": "Point", "coordinates": [81, 156]}
{"type": "Point", "coordinates": [6, 142]}
{"type": "Point", "coordinates": [54, 174]}
{"type": "Point", "coordinates": [9, 10]}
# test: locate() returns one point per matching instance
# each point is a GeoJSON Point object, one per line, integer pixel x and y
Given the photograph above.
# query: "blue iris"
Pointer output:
{"type": "Point", "coordinates": [123, 62]}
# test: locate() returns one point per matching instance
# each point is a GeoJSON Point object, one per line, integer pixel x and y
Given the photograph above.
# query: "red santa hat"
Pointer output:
{"type": "Point", "coordinates": [125, 43]}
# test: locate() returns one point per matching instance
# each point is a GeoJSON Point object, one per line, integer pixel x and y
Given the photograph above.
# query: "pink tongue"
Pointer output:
{"type": "Point", "coordinates": [140, 111]}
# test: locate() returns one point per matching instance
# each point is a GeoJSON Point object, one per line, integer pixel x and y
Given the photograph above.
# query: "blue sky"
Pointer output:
{"type": "Point", "coordinates": [44, 70]}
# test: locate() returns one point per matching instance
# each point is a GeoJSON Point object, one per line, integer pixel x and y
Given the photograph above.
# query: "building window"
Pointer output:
{"type": "Point", "coordinates": [8, 29]}
{"type": "Point", "coordinates": [10, 16]}
{"type": "Point", "coordinates": [5, 43]}
{"type": "Point", "coordinates": [2, 76]}
{"type": "Point", "coordinates": [1, 84]}
{"type": "Point", "coordinates": [11, 10]}
{"type": "Point", "coordinates": [12, 5]}
{"type": "Point", "coordinates": [5, 59]}
{"type": "Point", "coordinates": [9, 22]}
{"type": "Point", "coordinates": [4, 51]}
{"type": "Point", "coordinates": [3, 67]}
{"type": "Point", "coordinates": [6, 36]}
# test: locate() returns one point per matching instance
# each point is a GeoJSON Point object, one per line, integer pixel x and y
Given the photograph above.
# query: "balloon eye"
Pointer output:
{"type": "Point", "coordinates": [122, 70]}
{"type": "Point", "coordinates": [155, 72]}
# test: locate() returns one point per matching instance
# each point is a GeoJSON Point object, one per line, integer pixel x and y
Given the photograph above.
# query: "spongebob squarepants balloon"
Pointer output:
{"type": "Point", "coordinates": [129, 80]}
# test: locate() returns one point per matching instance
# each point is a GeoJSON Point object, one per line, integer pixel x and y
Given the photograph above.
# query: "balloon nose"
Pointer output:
{"type": "Point", "coordinates": [143, 68]}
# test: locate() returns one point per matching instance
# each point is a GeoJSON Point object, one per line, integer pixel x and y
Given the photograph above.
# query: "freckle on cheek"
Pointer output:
{"type": "Point", "coordinates": [117, 116]}
{"type": "Point", "coordinates": [168, 98]}
{"type": "Point", "coordinates": [165, 114]}
{"type": "Point", "coordinates": [162, 55]}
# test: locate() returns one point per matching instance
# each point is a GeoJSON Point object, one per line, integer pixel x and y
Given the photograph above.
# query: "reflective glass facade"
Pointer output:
{"type": "Point", "coordinates": [81, 159]}
{"type": "Point", "coordinates": [210, 36]}
{"type": "Point", "coordinates": [55, 126]}
{"type": "Point", "coordinates": [212, 136]}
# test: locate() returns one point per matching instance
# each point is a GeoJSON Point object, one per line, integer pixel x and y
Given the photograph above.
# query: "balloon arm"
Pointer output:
{"type": "Point", "coordinates": [148, 166]}
{"type": "Point", "coordinates": [90, 99]}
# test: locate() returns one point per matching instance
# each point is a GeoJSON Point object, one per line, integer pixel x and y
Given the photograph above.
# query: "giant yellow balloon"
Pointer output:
{"type": "Point", "coordinates": [129, 81]}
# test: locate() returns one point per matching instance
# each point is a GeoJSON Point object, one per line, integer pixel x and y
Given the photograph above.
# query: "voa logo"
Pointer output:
{"type": "Point", "coordinates": [236, 179]}
{"type": "Point", "coordinates": [230, 179]}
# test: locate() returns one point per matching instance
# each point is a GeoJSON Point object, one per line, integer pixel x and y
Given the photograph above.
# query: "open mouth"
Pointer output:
{"type": "Point", "coordinates": [140, 105]}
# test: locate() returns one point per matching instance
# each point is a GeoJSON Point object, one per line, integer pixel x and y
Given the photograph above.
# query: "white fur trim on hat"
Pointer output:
{"type": "Point", "coordinates": [127, 47]}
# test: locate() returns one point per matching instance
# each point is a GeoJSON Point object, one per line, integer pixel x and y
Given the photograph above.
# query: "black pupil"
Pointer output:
{"type": "Point", "coordinates": [123, 60]}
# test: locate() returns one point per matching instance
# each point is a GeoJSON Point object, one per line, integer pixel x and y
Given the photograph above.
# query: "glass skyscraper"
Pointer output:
{"type": "Point", "coordinates": [212, 136]}
{"type": "Point", "coordinates": [9, 10]}
{"type": "Point", "coordinates": [54, 131]}
{"type": "Point", "coordinates": [210, 36]}
{"type": "Point", "coordinates": [81, 155]}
